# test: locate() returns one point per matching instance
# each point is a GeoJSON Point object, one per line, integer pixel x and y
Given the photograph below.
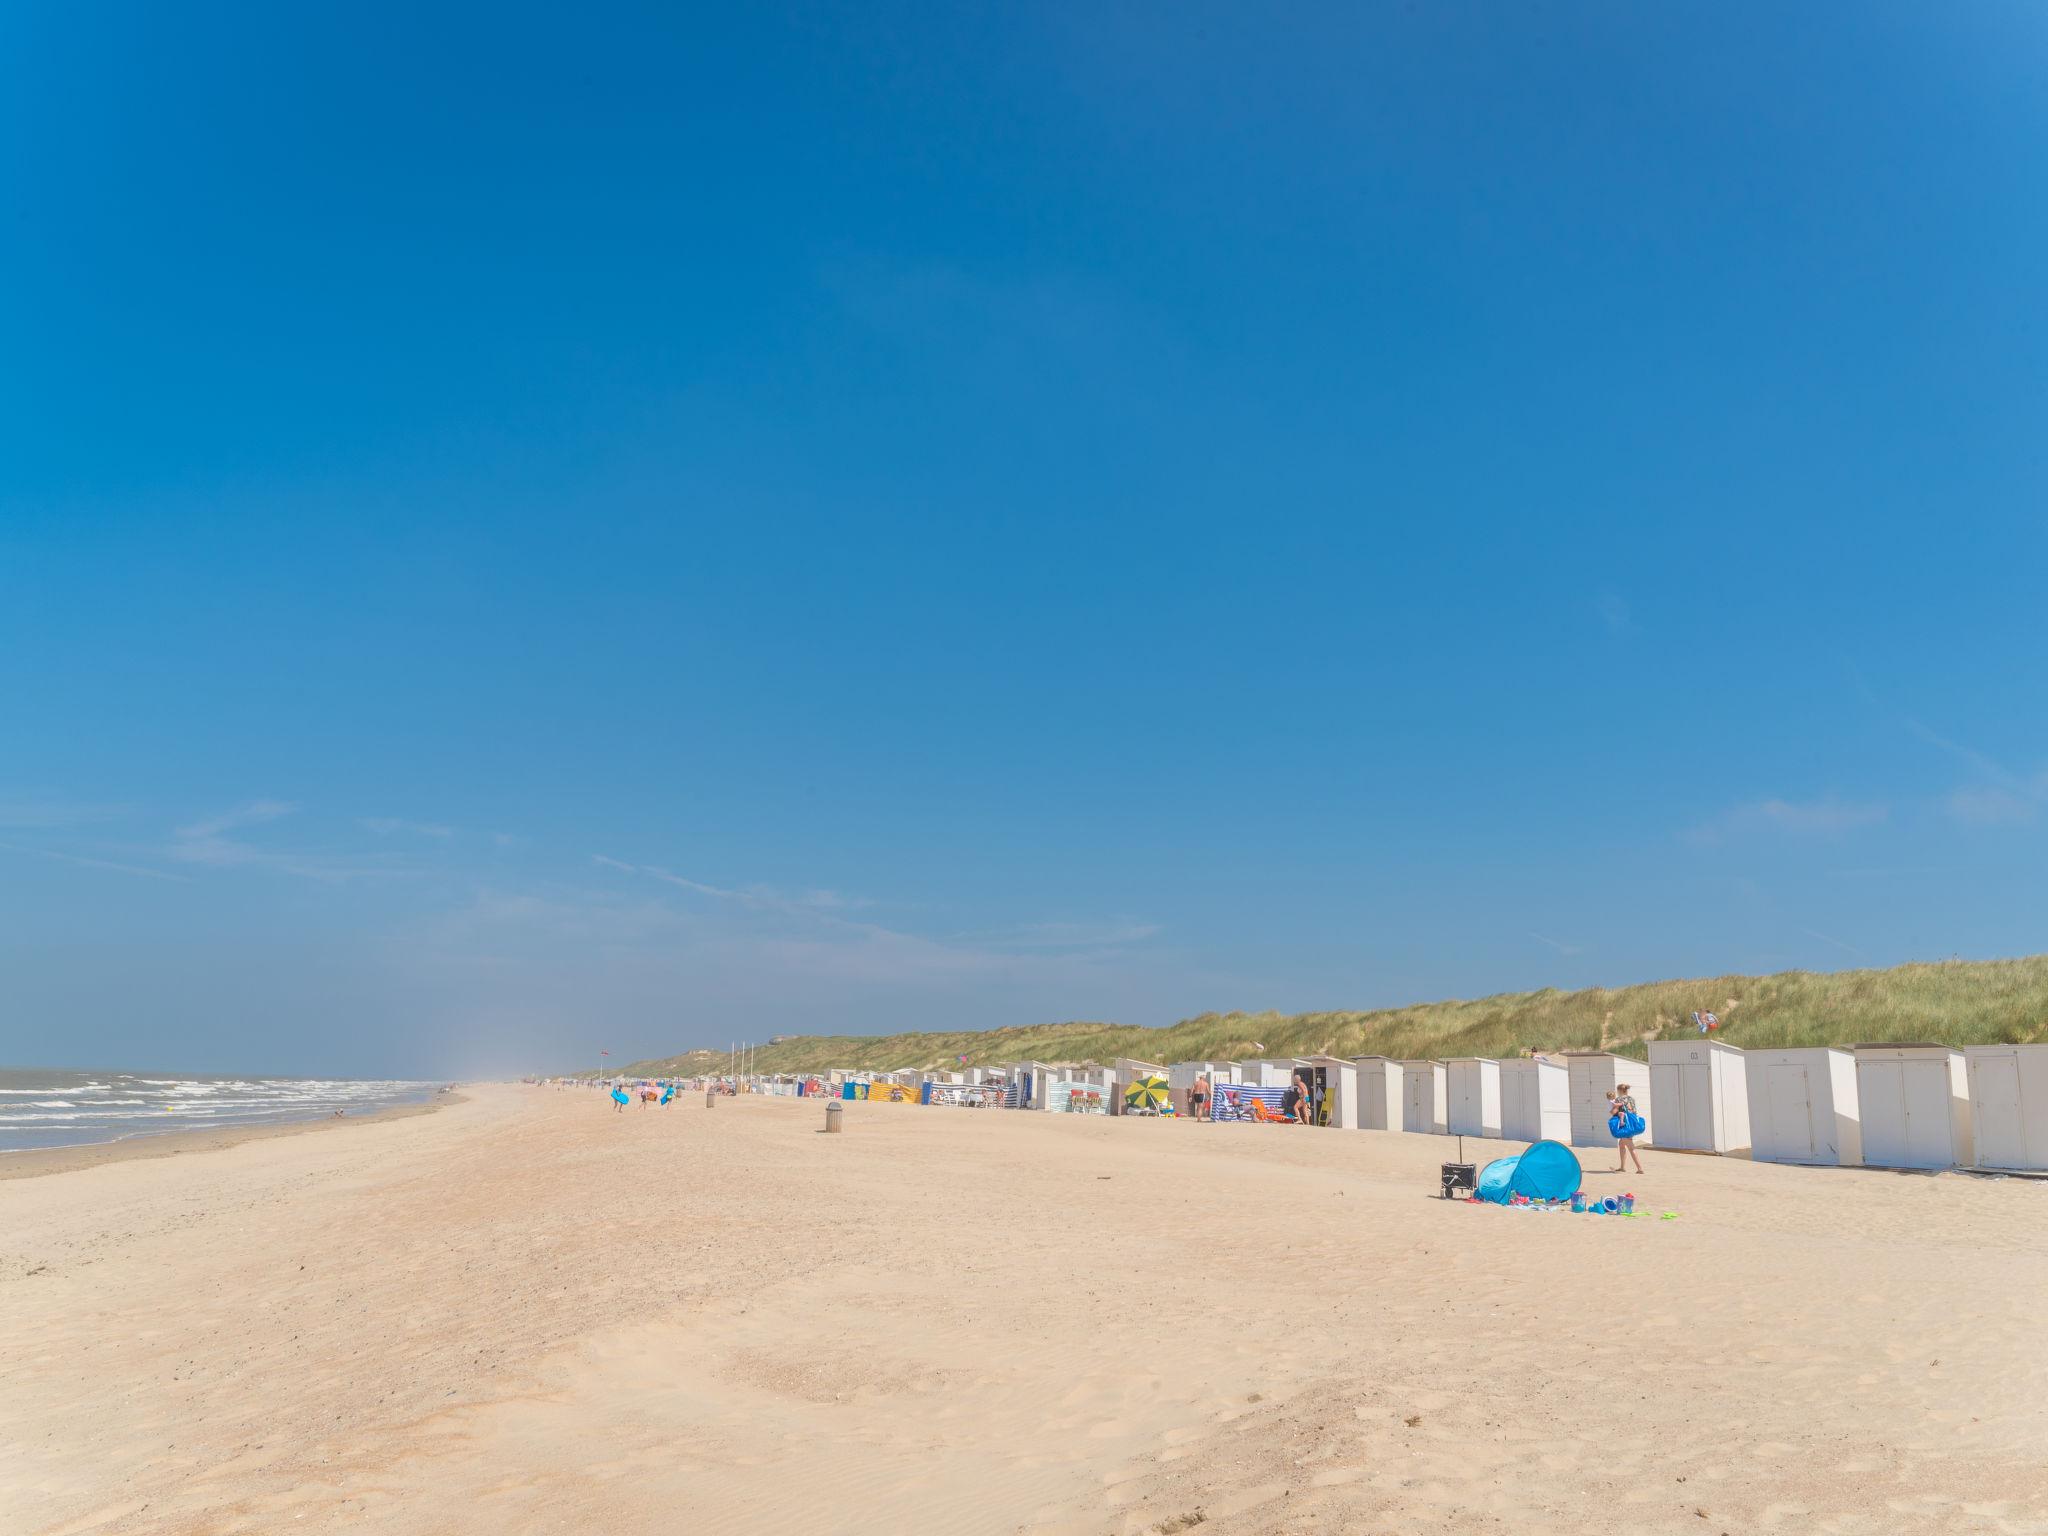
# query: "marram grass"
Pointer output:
{"type": "Point", "coordinates": [1953, 1002]}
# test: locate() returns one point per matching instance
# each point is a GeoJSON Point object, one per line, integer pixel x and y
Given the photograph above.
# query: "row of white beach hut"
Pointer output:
{"type": "Point", "coordinates": [1883, 1106]}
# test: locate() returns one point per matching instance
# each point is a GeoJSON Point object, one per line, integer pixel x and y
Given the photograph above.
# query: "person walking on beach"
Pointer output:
{"type": "Point", "coordinates": [619, 1101]}
{"type": "Point", "coordinates": [1622, 1105]}
{"type": "Point", "coordinates": [1198, 1099]}
{"type": "Point", "coordinates": [1294, 1104]}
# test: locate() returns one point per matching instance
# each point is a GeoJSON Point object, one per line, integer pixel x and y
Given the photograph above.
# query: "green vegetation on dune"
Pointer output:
{"type": "Point", "coordinates": [1954, 1002]}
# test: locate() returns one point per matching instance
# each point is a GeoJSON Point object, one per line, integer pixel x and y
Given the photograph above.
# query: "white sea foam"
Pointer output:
{"type": "Point", "coordinates": [59, 1108]}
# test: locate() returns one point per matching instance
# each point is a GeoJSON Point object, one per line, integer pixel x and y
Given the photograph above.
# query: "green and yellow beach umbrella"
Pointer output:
{"type": "Point", "coordinates": [1143, 1093]}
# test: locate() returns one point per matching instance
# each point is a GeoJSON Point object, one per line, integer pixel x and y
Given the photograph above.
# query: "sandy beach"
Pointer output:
{"type": "Point", "coordinates": [526, 1313]}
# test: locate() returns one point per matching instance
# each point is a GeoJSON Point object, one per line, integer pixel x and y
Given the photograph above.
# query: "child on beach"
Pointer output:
{"type": "Point", "coordinates": [1622, 1102]}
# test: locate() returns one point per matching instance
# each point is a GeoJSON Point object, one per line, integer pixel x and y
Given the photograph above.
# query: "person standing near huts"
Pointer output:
{"type": "Point", "coordinates": [1295, 1104]}
{"type": "Point", "coordinates": [1198, 1098]}
{"type": "Point", "coordinates": [1622, 1104]}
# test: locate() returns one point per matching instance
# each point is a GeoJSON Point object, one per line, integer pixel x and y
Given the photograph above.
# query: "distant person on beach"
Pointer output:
{"type": "Point", "coordinates": [1294, 1102]}
{"type": "Point", "coordinates": [619, 1100]}
{"type": "Point", "coordinates": [1198, 1100]}
{"type": "Point", "coordinates": [1622, 1102]}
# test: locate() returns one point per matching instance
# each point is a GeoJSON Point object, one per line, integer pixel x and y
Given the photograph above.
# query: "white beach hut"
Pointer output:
{"type": "Point", "coordinates": [1266, 1074]}
{"type": "Point", "coordinates": [1031, 1079]}
{"type": "Point", "coordinates": [1803, 1107]}
{"type": "Point", "coordinates": [1700, 1090]}
{"type": "Point", "coordinates": [2009, 1106]}
{"type": "Point", "coordinates": [1182, 1076]}
{"type": "Point", "coordinates": [1472, 1102]}
{"type": "Point", "coordinates": [1593, 1077]}
{"type": "Point", "coordinates": [1379, 1093]}
{"type": "Point", "coordinates": [1422, 1097]}
{"type": "Point", "coordinates": [1336, 1081]}
{"type": "Point", "coordinates": [1915, 1102]}
{"type": "Point", "coordinates": [1535, 1100]}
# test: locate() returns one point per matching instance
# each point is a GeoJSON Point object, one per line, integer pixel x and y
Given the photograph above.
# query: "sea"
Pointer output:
{"type": "Point", "coordinates": [42, 1108]}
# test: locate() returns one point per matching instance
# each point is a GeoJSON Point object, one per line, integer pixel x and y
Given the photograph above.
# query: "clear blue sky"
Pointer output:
{"type": "Point", "coordinates": [528, 529]}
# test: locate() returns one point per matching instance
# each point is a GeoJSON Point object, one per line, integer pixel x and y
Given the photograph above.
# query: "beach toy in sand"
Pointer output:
{"type": "Point", "coordinates": [1628, 1205]}
{"type": "Point", "coordinates": [1578, 1199]}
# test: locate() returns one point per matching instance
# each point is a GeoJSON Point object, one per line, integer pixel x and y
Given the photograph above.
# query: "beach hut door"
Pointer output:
{"type": "Point", "coordinates": [1910, 1128]}
{"type": "Point", "coordinates": [1791, 1111]}
{"type": "Point", "coordinates": [1518, 1108]}
{"type": "Point", "coordinates": [1928, 1132]}
{"type": "Point", "coordinates": [1995, 1088]}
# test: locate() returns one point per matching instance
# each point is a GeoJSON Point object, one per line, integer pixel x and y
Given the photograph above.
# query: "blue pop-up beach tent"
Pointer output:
{"type": "Point", "coordinates": [1547, 1170]}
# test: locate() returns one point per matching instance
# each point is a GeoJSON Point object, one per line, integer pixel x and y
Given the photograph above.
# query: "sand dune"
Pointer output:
{"type": "Point", "coordinates": [525, 1313]}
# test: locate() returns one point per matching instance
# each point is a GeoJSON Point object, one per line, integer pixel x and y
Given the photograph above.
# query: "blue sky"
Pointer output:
{"type": "Point", "coordinates": [524, 531]}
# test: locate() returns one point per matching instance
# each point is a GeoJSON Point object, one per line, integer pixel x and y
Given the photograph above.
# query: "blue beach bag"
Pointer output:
{"type": "Point", "coordinates": [1621, 1127]}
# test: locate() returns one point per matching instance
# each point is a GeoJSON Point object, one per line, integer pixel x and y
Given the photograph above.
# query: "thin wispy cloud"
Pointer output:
{"type": "Point", "coordinates": [37, 814]}
{"type": "Point", "coordinates": [215, 843]}
{"type": "Point", "coordinates": [1992, 805]}
{"type": "Point", "coordinates": [206, 842]}
{"type": "Point", "coordinates": [1842, 944]}
{"type": "Point", "coordinates": [1559, 946]}
{"type": "Point", "coordinates": [1985, 766]}
{"type": "Point", "coordinates": [810, 932]}
{"type": "Point", "coordinates": [1997, 796]}
{"type": "Point", "coordinates": [397, 826]}
{"type": "Point", "coordinates": [86, 861]}
{"type": "Point", "coordinates": [1614, 612]}
{"type": "Point", "coordinates": [1064, 935]}
{"type": "Point", "coordinates": [1826, 817]}
{"type": "Point", "coordinates": [763, 897]}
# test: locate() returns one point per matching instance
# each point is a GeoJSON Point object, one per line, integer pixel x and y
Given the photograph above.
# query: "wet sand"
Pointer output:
{"type": "Point", "coordinates": [37, 1161]}
{"type": "Point", "coordinates": [529, 1313]}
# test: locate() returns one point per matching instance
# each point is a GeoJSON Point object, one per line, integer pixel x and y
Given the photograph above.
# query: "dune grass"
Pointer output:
{"type": "Point", "coordinates": [1952, 1002]}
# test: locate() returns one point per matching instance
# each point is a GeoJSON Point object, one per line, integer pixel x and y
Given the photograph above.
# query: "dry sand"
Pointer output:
{"type": "Point", "coordinates": [528, 1313]}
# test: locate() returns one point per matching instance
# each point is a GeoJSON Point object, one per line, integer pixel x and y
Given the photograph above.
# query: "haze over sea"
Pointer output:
{"type": "Point", "coordinates": [44, 1108]}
